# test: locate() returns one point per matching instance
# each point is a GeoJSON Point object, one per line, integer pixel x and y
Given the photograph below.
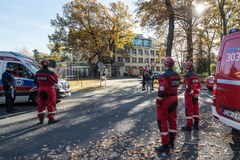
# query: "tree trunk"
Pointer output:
{"type": "Point", "coordinates": [189, 34]}
{"type": "Point", "coordinates": [90, 68]}
{"type": "Point", "coordinates": [171, 28]}
{"type": "Point", "coordinates": [189, 43]}
{"type": "Point", "coordinates": [221, 5]}
{"type": "Point", "coordinates": [209, 62]}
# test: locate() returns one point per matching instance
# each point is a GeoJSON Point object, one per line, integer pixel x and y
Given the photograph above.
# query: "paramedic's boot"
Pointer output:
{"type": "Point", "coordinates": [171, 141]}
{"type": "Point", "coordinates": [163, 149]}
{"type": "Point", "coordinates": [195, 125]}
{"type": "Point", "coordinates": [40, 121]}
{"type": "Point", "coordinates": [186, 128]}
{"type": "Point", "coordinates": [52, 120]}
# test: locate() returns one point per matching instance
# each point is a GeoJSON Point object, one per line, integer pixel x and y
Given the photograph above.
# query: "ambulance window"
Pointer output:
{"type": "Point", "coordinates": [230, 59]}
{"type": "Point", "coordinates": [21, 71]}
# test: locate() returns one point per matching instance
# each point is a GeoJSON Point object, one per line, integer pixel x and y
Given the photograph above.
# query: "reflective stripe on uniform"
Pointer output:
{"type": "Point", "coordinates": [51, 112]}
{"type": "Point", "coordinates": [41, 112]}
{"type": "Point", "coordinates": [195, 116]}
{"type": "Point", "coordinates": [172, 130]}
{"type": "Point", "coordinates": [189, 117]}
{"type": "Point", "coordinates": [164, 133]}
{"type": "Point", "coordinates": [159, 98]}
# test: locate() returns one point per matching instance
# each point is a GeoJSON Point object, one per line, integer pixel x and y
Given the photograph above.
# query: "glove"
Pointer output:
{"type": "Point", "coordinates": [195, 96]}
{"type": "Point", "coordinates": [191, 92]}
{"type": "Point", "coordinates": [158, 101]}
{"type": "Point", "coordinates": [159, 98]}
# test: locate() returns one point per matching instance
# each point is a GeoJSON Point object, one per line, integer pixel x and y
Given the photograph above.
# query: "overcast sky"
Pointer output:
{"type": "Point", "coordinates": [26, 23]}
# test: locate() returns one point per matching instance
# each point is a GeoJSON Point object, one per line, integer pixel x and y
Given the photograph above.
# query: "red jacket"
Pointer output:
{"type": "Point", "coordinates": [168, 83]}
{"type": "Point", "coordinates": [46, 77]}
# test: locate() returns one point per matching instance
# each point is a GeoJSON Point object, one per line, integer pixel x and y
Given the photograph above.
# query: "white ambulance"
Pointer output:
{"type": "Point", "coordinates": [26, 89]}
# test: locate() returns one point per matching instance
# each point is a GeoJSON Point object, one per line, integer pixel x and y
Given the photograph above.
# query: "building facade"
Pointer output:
{"type": "Point", "coordinates": [143, 56]}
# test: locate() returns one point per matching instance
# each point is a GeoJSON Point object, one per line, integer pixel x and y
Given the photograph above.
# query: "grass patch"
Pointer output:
{"type": "Point", "coordinates": [87, 84]}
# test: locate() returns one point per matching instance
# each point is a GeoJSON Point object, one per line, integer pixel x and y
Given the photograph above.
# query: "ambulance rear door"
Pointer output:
{"type": "Point", "coordinates": [228, 79]}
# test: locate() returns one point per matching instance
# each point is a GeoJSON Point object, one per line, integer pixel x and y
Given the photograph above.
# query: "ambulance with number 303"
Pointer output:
{"type": "Point", "coordinates": [226, 88]}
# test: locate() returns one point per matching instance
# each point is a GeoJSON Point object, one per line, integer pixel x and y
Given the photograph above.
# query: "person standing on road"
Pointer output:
{"type": "Point", "coordinates": [192, 90]}
{"type": "Point", "coordinates": [46, 79]}
{"type": "Point", "coordinates": [143, 81]}
{"type": "Point", "coordinates": [151, 79]}
{"type": "Point", "coordinates": [166, 106]}
{"type": "Point", "coordinates": [147, 80]}
{"type": "Point", "coordinates": [9, 84]}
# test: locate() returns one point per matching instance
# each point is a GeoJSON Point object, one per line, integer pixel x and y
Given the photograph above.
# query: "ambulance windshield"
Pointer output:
{"type": "Point", "coordinates": [34, 66]}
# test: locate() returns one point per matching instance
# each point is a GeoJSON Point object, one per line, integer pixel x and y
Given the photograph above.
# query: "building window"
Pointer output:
{"type": "Point", "coordinates": [146, 42]}
{"type": "Point", "coordinates": [140, 60]}
{"type": "Point", "coordinates": [163, 68]}
{"type": "Point", "coordinates": [152, 52]}
{"type": "Point", "coordinates": [137, 42]}
{"type": "Point", "coordinates": [157, 68]}
{"type": "Point", "coordinates": [157, 53]}
{"type": "Point", "coordinates": [140, 51]}
{"type": "Point", "coordinates": [157, 60]}
{"type": "Point", "coordinates": [162, 60]}
{"type": "Point", "coordinates": [152, 60]}
{"type": "Point", "coordinates": [127, 68]}
{"type": "Point", "coordinates": [146, 52]}
{"type": "Point", "coordinates": [134, 51]}
{"type": "Point", "coordinates": [120, 59]}
{"type": "Point", "coordinates": [147, 60]}
{"type": "Point", "coordinates": [114, 58]}
{"type": "Point", "coordinates": [152, 69]}
{"type": "Point", "coordinates": [127, 60]}
{"type": "Point", "coordinates": [134, 60]}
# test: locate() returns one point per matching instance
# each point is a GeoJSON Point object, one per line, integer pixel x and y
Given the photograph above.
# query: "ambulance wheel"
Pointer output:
{"type": "Point", "coordinates": [34, 98]}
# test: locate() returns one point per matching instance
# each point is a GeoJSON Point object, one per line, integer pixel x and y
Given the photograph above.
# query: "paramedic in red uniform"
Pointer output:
{"type": "Point", "coordinates": [46, 92]}
{"type": "Point", "coordinates": [193, 86]}
{"type": "Point", "coordinates": [166, 106]}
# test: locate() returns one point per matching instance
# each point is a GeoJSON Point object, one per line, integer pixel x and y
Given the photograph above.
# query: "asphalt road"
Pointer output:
{"type": "Point", "coordinates": [113, 122]}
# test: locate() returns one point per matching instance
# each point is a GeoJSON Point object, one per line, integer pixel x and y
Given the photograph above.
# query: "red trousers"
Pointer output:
{"type": "Point", "coordinates": [192, 110]}
{"type": "Point", "coordinates": [50, 101]}
{"type": "Point", "coordinates": [166, 118]}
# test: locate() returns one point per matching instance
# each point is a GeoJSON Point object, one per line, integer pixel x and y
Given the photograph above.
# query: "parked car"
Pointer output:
{"type": "Point", "coordinates": [210, 82]}
{"type": "Point", "coordinates": [156, 75]}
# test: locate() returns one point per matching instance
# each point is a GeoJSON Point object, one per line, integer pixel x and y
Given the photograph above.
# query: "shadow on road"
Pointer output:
{"type": "Point", "coordinates": [111, 124]}
{"type": "Point", "coordinates": [189, 149]}
{"type": "Point", "coordinates": [235, 146]}
{"type": "Point", "coordinates": [117, 118]}
{"type": "Point", "coordinates": [21, 108]}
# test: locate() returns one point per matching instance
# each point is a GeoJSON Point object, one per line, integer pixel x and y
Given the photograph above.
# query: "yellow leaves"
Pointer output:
{"type": "Point", "coordinates": [161, 52]}
{"type": "Point", "coordinates": [110, 54]}
{"type": "Point", "coordinates": [94, 28]}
